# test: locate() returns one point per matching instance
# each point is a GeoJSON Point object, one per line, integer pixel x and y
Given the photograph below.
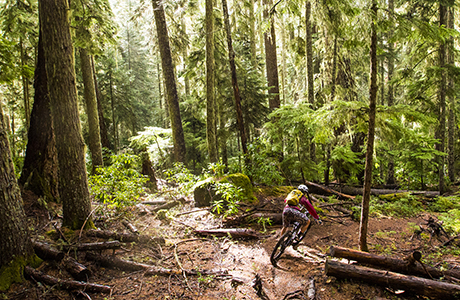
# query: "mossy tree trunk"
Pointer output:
{"type": "Point", "coordinates": [370, 136]}
{"type": "Point", "coordinates": [94, 139]}
{"type": "Point", "coordinates": [211, 107]}
{"type": "Point", "coordinates": [40, 171]}
{"type": "Point", "coordinates": [105, 143]}
{"type": "Point", "coordinates": [60, 67]}
{"type": "Point", "coordinates": [170, 82]}
{"type": "Point", "coordinates": [15, 246]}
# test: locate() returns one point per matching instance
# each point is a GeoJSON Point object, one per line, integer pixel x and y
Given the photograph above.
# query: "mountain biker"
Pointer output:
{"type": "Point", "coordinates": [292, 213]}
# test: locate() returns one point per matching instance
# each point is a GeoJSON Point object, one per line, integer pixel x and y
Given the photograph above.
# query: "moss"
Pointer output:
{"type": "Point", "coordinates": [242, 181]}
{"type": "Point", "coordinates": [13, 272]}
{"type": "Point", "coordinates": [276, 191]}
{"type": "Point", "coordinates": [394, 197]}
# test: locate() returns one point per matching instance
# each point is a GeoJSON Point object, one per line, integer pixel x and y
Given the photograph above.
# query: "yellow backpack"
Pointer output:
{"type": "Point", "coordinates": [293, 198]}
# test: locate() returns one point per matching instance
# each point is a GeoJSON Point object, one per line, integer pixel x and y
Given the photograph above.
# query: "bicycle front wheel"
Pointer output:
{"type": "Point", "coordinates": [282, 244]}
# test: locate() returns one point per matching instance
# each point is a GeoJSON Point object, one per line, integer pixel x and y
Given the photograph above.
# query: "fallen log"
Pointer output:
{"type": "Point", "coordinates": [154, 202]}
{"type": "Point", "coordinates": [114, 262]}
{"type": "Point", "coordinates": [421, 286]}
{"type": "Point", "coordinates": [66, 284]}
{"type": "Point", "coordinates": [275, 218]}
{"type": "Point", "coordinates": [47, 252]}
{"type": "Point", "coordinates": [167, 205]}
{"type": "Point", "coordinates": [350, 190]}
{"type": "Point", "coordinates": [93, 246]}
{"type": "Point", "coordinates": [321, 189]}
{"type": "Point", "coordinates": [407, 266]}
{"type": "Point", "coordinates": [130, 226]}
{"type": "Point", "coordinates": [76, 269]}
{"type": "Point", "coordinates": [236, 233]}
{"type": "Point", "coordinates": [125, 237]}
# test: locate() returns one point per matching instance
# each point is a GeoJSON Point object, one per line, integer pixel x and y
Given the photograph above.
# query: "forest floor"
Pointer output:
{"type": "Point", "coordinates": [247, 262]}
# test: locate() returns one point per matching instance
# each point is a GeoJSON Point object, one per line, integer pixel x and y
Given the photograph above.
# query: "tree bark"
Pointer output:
{"type": "Point", "coordinates": [236, 91]}
{"type": "Point", "coordinates": [73, 184]}
{"type": "Point", "coordinates": [441, 130]}
{"type": "Point", "coordinates": [105, 143]}
{"type": "Point", "coordinates": [420, 286]}
{"type": "Point", "coordinates": [40, 171]}
{"type": "Point", "coordinates": [370, 135]}
{"type": "Point", "coordinates": [211, 108]}
{"type": "Point", "coordinates": [271, 60]}
{"type": "Point", "coordinates": [390, 97]}
{"type": "Point", "coordinates": [309, 55]}
{"type": "Point", "coordinates": [94, 140]}
{"type": "Point", "coordinates": [46, 252]}
{"type": "Point", "coordinates": [15, 246]}
{"type": "Point", "coordinates": [452, 103]}
{"type": "Point", "coordinates": [170, 82]}
{"type": "Point", "coordinates": [407, 266]}
{"type": "Point", "coordinates": [66, 284]}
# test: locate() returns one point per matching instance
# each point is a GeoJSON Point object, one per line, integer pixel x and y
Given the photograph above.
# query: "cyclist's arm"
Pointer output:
{"type": "Point", "coordinates": [305, 203]}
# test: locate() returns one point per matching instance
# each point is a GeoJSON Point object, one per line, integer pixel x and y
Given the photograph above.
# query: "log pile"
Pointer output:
{"type": "Point", "coordinates": [408, 274]}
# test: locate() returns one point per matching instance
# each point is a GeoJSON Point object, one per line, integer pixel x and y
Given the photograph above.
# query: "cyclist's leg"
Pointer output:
{"type": "Point", "coordinates": [288, 218]}
{"type": "Point", "coordinates": [304, 221]}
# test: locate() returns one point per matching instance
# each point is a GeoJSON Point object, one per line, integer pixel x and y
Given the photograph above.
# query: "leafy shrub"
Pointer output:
{"type": "Point", "coordinates": [118, 184]}
{"type": "Point", "coordinates": [444, 204]}
{"type": "Point", "coordinates": [229, 199]}
{"type": "Point", "coordinates": [451, 221]}
{"type": "Point", "coordinates": [180, 175]}
{"type": "Point", "coordinates": [402, 207]}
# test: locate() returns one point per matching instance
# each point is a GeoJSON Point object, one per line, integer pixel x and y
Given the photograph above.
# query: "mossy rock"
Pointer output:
{"type": "Point", "coordinates": [242, 181]}
{"type": "Point", "coordinates": [204, 192]}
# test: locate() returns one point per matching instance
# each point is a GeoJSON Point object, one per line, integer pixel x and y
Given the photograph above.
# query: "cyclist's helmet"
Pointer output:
{"type": "Point", "coordinates": [303, 188]}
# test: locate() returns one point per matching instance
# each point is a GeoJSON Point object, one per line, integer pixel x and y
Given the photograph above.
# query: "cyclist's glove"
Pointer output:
{"type": "Point", "coordinates": [319, 222]}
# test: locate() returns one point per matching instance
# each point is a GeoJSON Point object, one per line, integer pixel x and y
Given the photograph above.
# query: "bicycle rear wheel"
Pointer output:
{"type": "Point", "coordinates": [282, 244]}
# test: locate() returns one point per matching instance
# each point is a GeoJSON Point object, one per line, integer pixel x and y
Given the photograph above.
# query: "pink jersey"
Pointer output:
{"type": "Point", "coordinates": [304, 201]}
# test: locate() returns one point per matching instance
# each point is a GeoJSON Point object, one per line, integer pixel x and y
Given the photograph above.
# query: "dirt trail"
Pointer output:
{"type": "Point", "coordinates": [245, 261]}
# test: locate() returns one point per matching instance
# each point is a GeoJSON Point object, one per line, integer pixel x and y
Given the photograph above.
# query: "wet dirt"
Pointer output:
{"type": "Point", "coordinates": [247, 262]}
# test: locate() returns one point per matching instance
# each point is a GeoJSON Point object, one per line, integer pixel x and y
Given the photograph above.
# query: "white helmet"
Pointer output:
{"type": "Point", "coordinates": [303, 188]}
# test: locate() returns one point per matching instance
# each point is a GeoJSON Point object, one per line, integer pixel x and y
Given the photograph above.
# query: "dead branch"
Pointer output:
{"type": "Point", "coordinates": [47, 252]}
{"type": "Point", "coordinates": [93, 246]}
{"type": "Point", "coordinates": [130, 227]}
{"type": "Point", "coordinates": [76, 269]}
{"type": "Point", "coordinates": [125, 237]}
{"type": "Point", "coordinates": [66, 284]}
{"type": "Point", "coordinates": [321, 189]}
{"type": "Point", "coordinates": [236, 233]}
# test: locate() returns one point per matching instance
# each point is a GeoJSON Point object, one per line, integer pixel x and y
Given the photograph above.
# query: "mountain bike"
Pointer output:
{"type": "Point", "coordinates": [291, 237]}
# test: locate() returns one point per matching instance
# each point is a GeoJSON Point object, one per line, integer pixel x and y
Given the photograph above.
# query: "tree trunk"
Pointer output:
{"type": "Point", "coordinates": [441, 130]}
{"type": "Point", "coordinates": [271, 61]}
{"type": "Point", "coordinates": [40, 171]}
{"type": "Point", "coordinates": [170, 82]}
{"type": "Point", "coordinates": [236, 91]}
{"type": "Point", "coordinates": [211, 109]}
{"type": "Point", "coordinates": [105, 143]}
{"type": "Point", "coordinates": [420, 286]}
{"type": "Point", "coordinates": [73, 184]}
{"type": "Point", "coordinates": [391, 65]}
{"type": "Point", "coordinates": [15, 246]}
{"type": "Point", "coordinates": [309, 55]}
{"type": "Point", "coordinates": [370, 136]}
{"type": "Point", "coordinates": [452, 101]}
{"type": "Point", "coordinates": [252, 37]}
{"type": "Point", "coordinates": [94, 140]}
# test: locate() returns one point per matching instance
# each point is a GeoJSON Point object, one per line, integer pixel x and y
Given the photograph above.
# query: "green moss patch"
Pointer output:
{"type": "Point", "coordinates": [13, 272]}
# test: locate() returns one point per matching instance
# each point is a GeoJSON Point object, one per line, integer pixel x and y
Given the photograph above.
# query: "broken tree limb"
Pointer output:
{"type": "Point", "coordinates": [47, 252]}
{"type": "Point", "coordinates": [93, 246]}
{"type": "Point", "coordinates": [154, 202]}
{"type": "Point", "coordinates": [66, 284]}
{"type": "Point", "coordinates": [421, 286]}
{"type": "Point", "coordinates": [76, 269]}
{"type": "Point", "coordinates": [236, 233]}
{"type": "Point", "coordinates": [407, 266]}
{"type": "Point", "coordinates": [321, 189]}
{"type": "Point", "coordinates": [125, 237]}
{"type": "Point", "coordinates": [150, 270]}
{"type": "Point", "coordinates": [167, 205]}
{"type": "Point", "coordinates": [130, 226]}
